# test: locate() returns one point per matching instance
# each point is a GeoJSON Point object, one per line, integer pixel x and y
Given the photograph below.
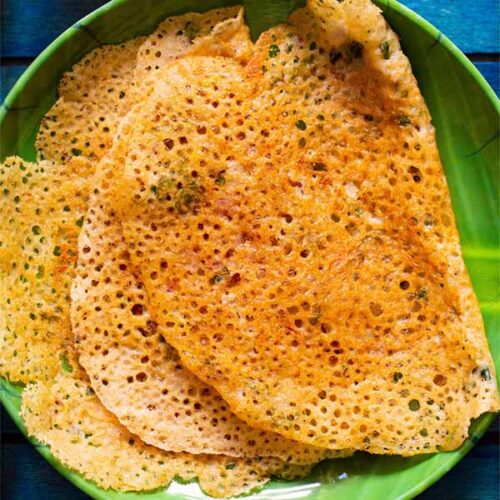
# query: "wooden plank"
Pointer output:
{"type": "Point", "coordinates": [491, 71]}
{"type": "Point", "coordinates": [8, 76]}
{"type": "Point", "coordinates": [26, 475]}
{"type": "Point", "coordinates": [29, 475]}
{"type": "Point", "coordinates": [28, 26]}
{"type": "Point", "coordinates": [472, 26]}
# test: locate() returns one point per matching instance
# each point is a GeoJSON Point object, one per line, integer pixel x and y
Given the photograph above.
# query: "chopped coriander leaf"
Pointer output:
{"type": "Point", "coordinates": [41, 272]}
{"type": "Point", "coordinates": [164, 188]}
{"type": "Point", "coordinates": [274, 50]}
{"type": "Point", "coordinates": [217, 278]}
{"type": "Point", "coordinates": [76, 152]}
{"type": "Point", "coordinates": [385, 48]}
{"type": "Point", "coordinates": [313, 46]}
{"type": "Point", "coordinates": [404, 120]}
{"type": "Point", "coordinates": [65, 364]}
{"type": "Point", "coordinates": [316, 313]}
{"type": "Point", "coordinates": [79, 222]}
{"type": "Point", "coordinates": [301, 124]}
{"type": "Point", "coordinates": [485, 374]}
{"type": "Point", "coordinates": [397, 376]}
{"type": "Point", "coordinates": [414, 405]}
{"type": "Point", "coordinates": [187, 198]}
{"type": "Point", "coordinates": [422, 293]}
{"type": "Point", "coordinates": [191, 30]}
{"type": "Point", "coordinates": [221, 180]}
{"type": "Point", "coordinates": [36, 230]}
{"type": "Point", "coordinates": [57, 251]}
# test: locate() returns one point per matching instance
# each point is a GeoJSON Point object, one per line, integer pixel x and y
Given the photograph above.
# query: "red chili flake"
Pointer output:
{"type": "Point", "coordinates": [294, 183]}
{"type": "Point", "coordinates": [234, 280]}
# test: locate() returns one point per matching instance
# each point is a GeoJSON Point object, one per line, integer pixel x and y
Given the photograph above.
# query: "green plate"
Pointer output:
{"type": "Point", "coordinates": [465, 112]}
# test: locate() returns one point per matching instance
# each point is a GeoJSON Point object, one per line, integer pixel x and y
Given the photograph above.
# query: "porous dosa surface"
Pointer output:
{"type": "Point", "coordinates": [93, 97]}
{"type": "Point", "coordinates": [83, 435]}
{"type": "Point", "coordinates": [138, 377]}
{"type": "Point", "coordinates": [136, 374]}
{"type": "Point", "coordinates": [175, 36]}
{"type": "Point", "coordinates": [41, 207]}
{"type": "Point", "coordinates": [100, 89]}
{"type": "Point", "coordinates": [292, 226]}
{"type": "Point", "coordinates": [60, 408]}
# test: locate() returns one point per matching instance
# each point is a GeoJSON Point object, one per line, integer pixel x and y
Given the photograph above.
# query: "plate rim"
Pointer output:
{"type": "Point", "coordinates": [88, 486]}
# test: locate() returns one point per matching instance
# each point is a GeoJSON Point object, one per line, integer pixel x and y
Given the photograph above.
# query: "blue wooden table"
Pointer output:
{"type": "Point", "coordinates": [28, 26]}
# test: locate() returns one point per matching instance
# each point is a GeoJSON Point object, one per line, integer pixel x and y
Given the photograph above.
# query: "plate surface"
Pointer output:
{"type": "Point", "coordinates": [465, 112]}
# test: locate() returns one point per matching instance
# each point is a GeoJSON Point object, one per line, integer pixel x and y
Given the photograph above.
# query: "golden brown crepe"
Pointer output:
{"type": "Point", "coordinates": [292, 226]}
{"type": "Point", "coordinates": [67, 416]}
{"type": "Point", "coordinates": [269, 268]}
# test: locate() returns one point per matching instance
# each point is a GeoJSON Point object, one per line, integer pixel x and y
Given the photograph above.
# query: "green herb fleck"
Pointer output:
{"type": "Point", "coordinates": [301, 124]}
{"type": "Point", "coordinates": [429, 220]}
{"type": "Point", "coordinates": [65, 364]}
{"type": "Point", "coordinates": [217, 278]}
{"type": "Point", "coordinates": [485, 374]}
{"type": "Point", "coordinates": [315, 315]}
{"type": "Point", "coordinates": [321, 118]}
{"type": "Point", "coordinates": [313, 46]}
{"type": "Point", "coordinates": [36, 230]}
{"type": "Point", "coordinates": [187, 198]}
{"type": "Point", "coordinates": [264, 69]}
{"type": "Point", "coordinates": [404, 121]}
{"type": "Point", "coordinates": [230, 466]}
{"type": "Point", "coordinates": [79, 222]}
{"type": "Point", "coordinates": [422, 293]}
{"type": "Point", "coordinates": [57, 251]}
{"type": "Point", "coordinates": [423, 432]}
{"type": "Point", "coordinates": [274, 50]}
{"type": "Point", "coordinates": [41, 272]}
{"type": "Point", "coordinates": [67, 208]}
{"type": "Point", "coordinates": [220, 180]}
{"type": "Point", "coordinates": [385, 48]}
{"type": "Point", "coordinates": [76, 152]}
{"type": "Point", "coordinates": [397, 376]}
{"type": "Point", "coordinates": [414, 405]}
{"type": "Point", "coordinates": [191, 30]}
{"type": "Point", "coordinates": [164, 188]}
